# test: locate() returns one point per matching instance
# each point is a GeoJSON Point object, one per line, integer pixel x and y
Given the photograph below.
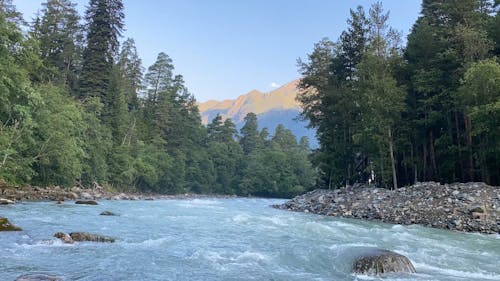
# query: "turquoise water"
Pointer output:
{"type": "Point", "coordinates": [226, 239]}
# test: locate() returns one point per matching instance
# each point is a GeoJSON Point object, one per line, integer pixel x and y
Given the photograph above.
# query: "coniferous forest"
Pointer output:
{"type": "Point", "coordinates": [396, 114]}
{"type": "Point", "coordinates": [78, 107]}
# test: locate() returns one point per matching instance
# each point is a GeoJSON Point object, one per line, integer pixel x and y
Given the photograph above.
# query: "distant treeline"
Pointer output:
{"type": "Point", "coordinates": [77, 108]}
{"type": "Point", "coordinates": [393, 114]}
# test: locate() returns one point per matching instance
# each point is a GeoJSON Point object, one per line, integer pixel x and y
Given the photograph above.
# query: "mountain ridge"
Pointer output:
{"type": "Point", "coordinates": [278, 106]}
{"type": "Point", "coordinates": [282, 98]}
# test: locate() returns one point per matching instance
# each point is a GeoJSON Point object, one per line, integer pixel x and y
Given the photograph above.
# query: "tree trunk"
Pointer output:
{"type": "Point", "coordinates": [459, 148]}
{"type": "Point", "coordinates": [432, 154]}
{"type": "Point", "coordinates": [424, 157]}
{"type": "Point", "coordinates": [393, 162]}
{"type": "Point", "coordinates": [468, 140]}
{"type": "Point", "coordinates": [485, 175]}
{"type": "Point", "coordinates": [415, 165]}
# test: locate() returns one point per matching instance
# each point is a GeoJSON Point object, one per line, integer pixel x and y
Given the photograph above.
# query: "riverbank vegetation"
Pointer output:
{"type": "Point", "coordinates": [77, 107]}
{"type": "Point", "coordinates": [397, 114]}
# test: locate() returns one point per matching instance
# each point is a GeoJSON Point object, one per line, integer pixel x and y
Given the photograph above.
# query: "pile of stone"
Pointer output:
{"type": "Point", "coordinates": [469, 207]}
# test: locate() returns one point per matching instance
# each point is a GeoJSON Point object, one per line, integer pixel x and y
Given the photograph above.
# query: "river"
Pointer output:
{"type": "Point", "coordinates": [226, 239]}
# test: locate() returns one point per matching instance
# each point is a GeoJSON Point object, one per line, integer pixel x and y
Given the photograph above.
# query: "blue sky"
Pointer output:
{"type": "Point", "coordinates": [225, 48]}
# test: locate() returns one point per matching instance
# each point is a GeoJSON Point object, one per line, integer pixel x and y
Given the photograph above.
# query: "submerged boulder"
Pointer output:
{"type": "Point", "coordinates": [5, 225]}
{"type": "Point", "coordinates": [39, 277]}
{"type": "Point", "coordinates": [86, 202]}
{"type": "Point", "coordinates": [85, 236]}
{"type": "Point", "coordinates": [379, 261]}
{"type": "Point", "coordinates": [107, 213]}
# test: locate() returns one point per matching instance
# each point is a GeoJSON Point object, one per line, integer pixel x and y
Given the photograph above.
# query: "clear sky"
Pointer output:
{"type": "Point", "coordinates": [225, 48]}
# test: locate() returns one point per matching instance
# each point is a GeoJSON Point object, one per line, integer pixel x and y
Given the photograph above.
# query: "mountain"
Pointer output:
{"type": "Point", "coordinates": [276, 107]}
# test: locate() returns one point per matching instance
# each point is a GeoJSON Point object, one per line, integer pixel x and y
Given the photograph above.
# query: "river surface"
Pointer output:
{"type": "Point", "coordinates": [226, 239]}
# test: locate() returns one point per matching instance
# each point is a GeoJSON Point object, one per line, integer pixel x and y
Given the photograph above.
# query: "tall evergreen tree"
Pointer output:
{"type": "Point", "coordinates": [59, 34]}
{"type": "Point", "coordinates": [131, 70]}
{"type": "Point", "coordinates": [250, 138]}
{"type": "Point", "coordinates": [330, 102]}
{"type": "Point", "coordinates": [105, 25]}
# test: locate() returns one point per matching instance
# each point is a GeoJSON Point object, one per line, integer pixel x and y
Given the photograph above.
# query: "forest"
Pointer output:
{"type": "Point", "coordinates": [78, 108]}
{"type": "Point", "coordinates": [394, 114]}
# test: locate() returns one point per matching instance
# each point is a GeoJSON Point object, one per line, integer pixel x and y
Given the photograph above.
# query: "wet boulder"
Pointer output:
{"type": "Point", "coordinates": [90, 237]}
{"type": "Point", "coordinates": [64, 237]}
{"type": "Point", "coordinates": [377, 262]}
{"type": "Point", "coordinates": [86, 202]}
{"type": "Point", "coordinates": [5, 225]}
{"type": "Point", "coordinates": [39, 277]}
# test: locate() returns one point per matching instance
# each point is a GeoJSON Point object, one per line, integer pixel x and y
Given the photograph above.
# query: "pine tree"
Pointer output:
{"type": "Point", "coordinates": [105, 24]}
{"type": "Point", "coordinates": [330, 102]}
{"type": "Point", "coordinates": [131, 70]}
{"type": "Point", "coordinates": [250, 138]}
{"type": "Point", "coordinates": [60, 41]}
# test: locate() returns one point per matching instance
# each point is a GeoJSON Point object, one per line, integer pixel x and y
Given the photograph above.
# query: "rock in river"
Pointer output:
{"type": "Point", "coordinates": [378, 261]}
{"type": "Point", "coordinates": [85, 236]}
{"type": "Point", "coordinates": [107, 213]}
{"type": "Point", "coordinates": [5, 225]}
{"type": "Point", "coordinates": [64, 237]}
{"type": "Point", "coordinates": [86, 202]}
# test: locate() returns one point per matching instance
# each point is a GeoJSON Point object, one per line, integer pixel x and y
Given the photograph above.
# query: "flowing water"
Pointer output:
{"type": "Point", "coordinates": [227, 239]}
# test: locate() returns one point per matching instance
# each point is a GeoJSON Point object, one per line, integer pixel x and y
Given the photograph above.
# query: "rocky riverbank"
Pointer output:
{"type": "Point", "coordinates": [469, 207]}
{"type": "Point", "coordinates": [56, 193]}
{"type": "Point", "coordinates": [12, 194]}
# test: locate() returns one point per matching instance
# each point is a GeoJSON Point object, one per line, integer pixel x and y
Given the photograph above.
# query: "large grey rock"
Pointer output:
{"type": "Point", "coordinates": [85, 236]}
{"type": "Point", "coordinates": [39, 277]}
{"type": "Point", "coordinates": [378, 261]}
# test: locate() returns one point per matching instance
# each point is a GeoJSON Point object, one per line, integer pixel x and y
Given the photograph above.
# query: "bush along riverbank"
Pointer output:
{"type": "Point", "coordinates": [469, 207]}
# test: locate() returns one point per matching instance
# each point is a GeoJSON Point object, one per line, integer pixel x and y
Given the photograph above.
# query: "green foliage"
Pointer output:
{"type": "Point", "coordinates": [58, 150]}
{"type": "Point", "coordinates": [279, 169]}
{"type": "Point", "coordinates": [480, 95]}
{"type": "Point", "coordinates": [18, 101]}
{"type": "Point", "coordinates": [60, 37]}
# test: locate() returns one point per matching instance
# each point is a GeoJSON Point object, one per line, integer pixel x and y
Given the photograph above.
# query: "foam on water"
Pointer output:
{"type": "Point", "coordinates": [44, 244]}
{"type": "Point", "coordinates": [241, 218]}
{"type": "Point", "coordinates": [464, 275]}
{"type": "Point", "coordinates": [149, 242]}
{"type": "Point", "coordinates": [351, 245]}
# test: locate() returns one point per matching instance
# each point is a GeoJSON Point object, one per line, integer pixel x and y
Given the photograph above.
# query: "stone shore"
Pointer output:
{"type": "Point", "coordinates": [468, 207]}
{"type": "Point", "coordinates": [57, 193]}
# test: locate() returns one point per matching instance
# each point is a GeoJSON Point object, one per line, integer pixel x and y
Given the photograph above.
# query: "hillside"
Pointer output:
{"type": "Point", "coordinates": [272, 108]}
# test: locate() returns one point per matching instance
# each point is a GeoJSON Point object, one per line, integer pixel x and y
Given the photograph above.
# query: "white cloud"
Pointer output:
{"type": "Point", "coordinates": [274, 85]}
